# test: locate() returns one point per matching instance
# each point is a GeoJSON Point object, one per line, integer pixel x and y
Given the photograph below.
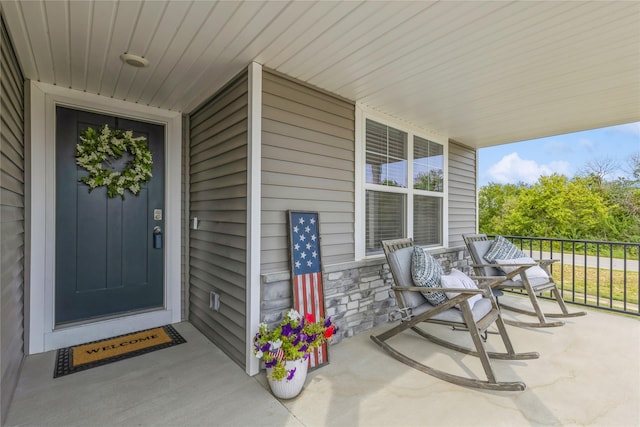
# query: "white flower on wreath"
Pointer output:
{"type": "Point", "coordinates": [97, 147]}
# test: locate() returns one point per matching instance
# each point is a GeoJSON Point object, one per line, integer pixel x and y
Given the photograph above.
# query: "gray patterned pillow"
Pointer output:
{"type": "Point", "coordinates": [501, 248]}
{"type": "Point", "coordinates": [426, 272]}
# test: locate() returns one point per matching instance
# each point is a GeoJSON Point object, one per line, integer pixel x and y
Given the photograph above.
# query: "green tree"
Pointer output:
{"type": "Point", "coordinates": [588, 206]}
{"type": "Point", "coordinates": [494, 203]}
{"type": "Point", "coordinates": [623, 196]}
{"type": "Point", "coordinates": [552, 207]}
{"type": "Point", "coordinates": [432, 181]}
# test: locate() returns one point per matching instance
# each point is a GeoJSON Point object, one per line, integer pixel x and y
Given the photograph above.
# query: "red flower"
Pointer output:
{"type": "Point", "coordinates": [329, 332]}
{"type": "Point", "coordinates": [309, 318]}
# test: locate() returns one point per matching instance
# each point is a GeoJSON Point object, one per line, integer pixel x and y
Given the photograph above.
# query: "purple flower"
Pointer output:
{"type": "Point", "coordinates": [327, 322]}
{"type": "Point", "coordinates": [291, 374]}
{"type": "Point", "coordinates": [286, 330]}
{"type": "Point", "coordinates": [311, 338]}
{"type": "Point", "coordinates": [265, 347]}
{"type": "Point", "coordinates": [304, 348]}
{"type": "Point", "coordinates": [271, 363]}
{"type": "Point", "coordinates": [296, 340]}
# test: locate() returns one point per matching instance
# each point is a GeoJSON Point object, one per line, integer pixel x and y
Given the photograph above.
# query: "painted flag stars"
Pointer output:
{"type": "Point", "coordinates": [306, 257]}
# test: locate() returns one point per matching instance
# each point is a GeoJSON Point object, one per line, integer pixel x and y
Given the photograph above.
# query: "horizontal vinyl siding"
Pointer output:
{"type": "Point", "coordinates": [12, 224]}
{"type": "Point", "coordinates": [307, 165]}
{"type": "Point", "coordinates": [218, 198]}
{"type": "Point", "coordinates": [462, 192]}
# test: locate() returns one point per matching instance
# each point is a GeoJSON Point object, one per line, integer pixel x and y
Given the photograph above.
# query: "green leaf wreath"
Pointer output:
{"type": "Point", "coordinates": [97, 148]}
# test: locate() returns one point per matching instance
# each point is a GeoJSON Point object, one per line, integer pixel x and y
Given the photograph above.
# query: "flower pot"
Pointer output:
{"type": "Point", "coordinates": [288, 389]}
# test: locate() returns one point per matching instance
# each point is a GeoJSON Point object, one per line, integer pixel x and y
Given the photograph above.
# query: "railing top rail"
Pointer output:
{"type": "Point", "coordinates": [556, 239]}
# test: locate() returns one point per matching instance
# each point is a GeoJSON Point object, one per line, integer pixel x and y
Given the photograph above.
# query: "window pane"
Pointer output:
{"type": "Point", "coordinates": [379, 171]}
{"type": "Point", "coordinates": [427, 220]}
{"type": "Point", "coordinates": [386, 155]}
{"type": "Point", "coordinates": [384, 219]}
{"type": "Point", "coordinates": [428, 165]}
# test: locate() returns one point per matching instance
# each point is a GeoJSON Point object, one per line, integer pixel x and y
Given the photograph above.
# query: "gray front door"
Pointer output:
{"type": "Point", "coordinates": [106, 262]}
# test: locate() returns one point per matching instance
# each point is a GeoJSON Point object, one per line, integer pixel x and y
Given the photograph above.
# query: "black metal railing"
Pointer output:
{"type": "Point", "coordinates": [604, 275]}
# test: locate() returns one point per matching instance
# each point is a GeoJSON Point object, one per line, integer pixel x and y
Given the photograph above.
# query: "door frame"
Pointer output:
{"type": "Point", "coordinates": [41, 333]}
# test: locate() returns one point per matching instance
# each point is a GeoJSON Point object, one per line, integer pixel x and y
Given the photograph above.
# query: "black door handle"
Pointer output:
{"type": "Point", "coordinates": [157, 237]}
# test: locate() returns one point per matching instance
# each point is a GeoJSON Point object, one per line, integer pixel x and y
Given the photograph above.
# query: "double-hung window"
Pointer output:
{"type": "Point", "coordinates": [404, 184]}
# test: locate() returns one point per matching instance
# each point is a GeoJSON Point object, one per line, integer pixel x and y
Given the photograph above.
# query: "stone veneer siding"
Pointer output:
{"type": "Point", "coordinates": [357, 294]}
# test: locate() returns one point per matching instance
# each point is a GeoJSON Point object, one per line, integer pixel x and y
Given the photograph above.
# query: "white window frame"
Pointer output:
{"type": "Point", "coordinates": [363, 112]}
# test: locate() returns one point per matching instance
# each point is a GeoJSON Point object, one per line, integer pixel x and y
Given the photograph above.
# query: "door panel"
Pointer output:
{"type": "Point", "coordinates": [105, 260]}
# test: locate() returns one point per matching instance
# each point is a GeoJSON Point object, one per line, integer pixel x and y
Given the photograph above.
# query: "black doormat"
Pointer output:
{"type": "Point", "coordinates": [97, 353]}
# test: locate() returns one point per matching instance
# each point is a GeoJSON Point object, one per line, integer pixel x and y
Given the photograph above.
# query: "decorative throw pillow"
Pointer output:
{"type": "Point", "coordinates": [535, 272]}
{"type": "Point", "coordinates": [501, 248]}
{"type": "Point", "coordinates": [426, 272]}
{"type": "Point", "coordinates": [457, 279]}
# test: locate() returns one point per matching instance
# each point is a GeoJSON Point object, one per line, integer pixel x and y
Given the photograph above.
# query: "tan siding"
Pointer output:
{"type": "Point", "coordinates": [218, 197]}
{"type": "Point", "coordinates": [462, 192]}
{"type": "Point", "coordinates": [307, 165]}
{"type": "Point", "coordinates": [12, 231]}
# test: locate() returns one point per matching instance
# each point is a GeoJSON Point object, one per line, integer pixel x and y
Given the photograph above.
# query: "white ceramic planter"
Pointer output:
{"type": "Point", "coordinates": [288, 389]}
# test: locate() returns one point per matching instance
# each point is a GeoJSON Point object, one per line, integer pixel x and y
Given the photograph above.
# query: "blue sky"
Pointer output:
{"type": "Point", "coordinates": [564, 154]}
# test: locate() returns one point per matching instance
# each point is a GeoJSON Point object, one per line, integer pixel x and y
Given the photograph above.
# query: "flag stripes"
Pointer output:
{"type": "Point", "coordinates": [307, 272]}
{"type": "Point", "coordinates": [309, 300]}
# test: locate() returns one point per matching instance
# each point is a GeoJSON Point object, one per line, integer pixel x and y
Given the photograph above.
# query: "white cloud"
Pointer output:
{"type": "Point", "coordinates": [511, 169]}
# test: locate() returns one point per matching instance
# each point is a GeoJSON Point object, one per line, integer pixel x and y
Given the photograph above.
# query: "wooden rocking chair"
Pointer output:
{"type": "Point", "coordinates": [479, 244]}
{"type": "Point", "coordinates": [415, 309]}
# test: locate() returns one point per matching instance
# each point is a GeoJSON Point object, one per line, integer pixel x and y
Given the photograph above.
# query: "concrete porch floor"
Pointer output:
{"type": "Point", "coordinates": [588, 374]}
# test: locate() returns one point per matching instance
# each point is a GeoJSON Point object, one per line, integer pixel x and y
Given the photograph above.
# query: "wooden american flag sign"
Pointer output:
{"type": "Point", "coordinates": [306, 272]}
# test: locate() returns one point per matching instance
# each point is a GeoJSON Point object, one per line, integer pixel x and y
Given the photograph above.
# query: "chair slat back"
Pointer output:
{"type": "Point", "coordinates": [478, 245]}
{"type": "Point", "coordinates": [398, 253]}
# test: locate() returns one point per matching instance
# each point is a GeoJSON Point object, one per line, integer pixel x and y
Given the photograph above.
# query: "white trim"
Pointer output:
{"type": "Point", "coordinates": [445, 199]}
{"type": "Point", "coordinates": [361, 114]}
{"type": "Point", "coordinates": [35, 306]}
{"type": "Point", "coordinates": [477, 201]}
{"type": "Point", "coordinates": [43, 335]}
{"type": "Point", "coordinates": [254, 171]}
{"type": "Point", "coordinates": [359, 199]}
{"type": "Point", "coordinates": [401, 125]}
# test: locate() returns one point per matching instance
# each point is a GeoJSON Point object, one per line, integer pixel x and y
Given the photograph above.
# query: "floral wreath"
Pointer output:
{"type": "Point", "coordinates": [98, 147]}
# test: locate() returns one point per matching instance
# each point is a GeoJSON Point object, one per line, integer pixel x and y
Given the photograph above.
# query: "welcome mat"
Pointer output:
{"type": "Point", "coordinates": [97, 353]}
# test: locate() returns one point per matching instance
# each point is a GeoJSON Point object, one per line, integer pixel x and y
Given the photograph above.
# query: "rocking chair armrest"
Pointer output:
{"type": "Point", "coordinates": [520, 269]}
{"type": "Point", "coordinates": [524, 264]}
{"type": "Point", "coordinates": [483, 265]}
{"type": "Point", "coordinates": [489, 281]}
{"type": "Point", "coordinates": [544, 262]}
{"type": "Point", "coordinates": [469, 291]}
{"type": "Point", "coordinates": [527, 265]}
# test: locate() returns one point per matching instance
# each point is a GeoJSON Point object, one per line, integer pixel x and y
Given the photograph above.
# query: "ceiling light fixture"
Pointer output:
{"type": "Point", "coordinates": [134, 60]}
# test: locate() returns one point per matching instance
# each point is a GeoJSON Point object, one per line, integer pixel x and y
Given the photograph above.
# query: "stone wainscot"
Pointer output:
{"type": "Point", "coordinates": [357, 294]}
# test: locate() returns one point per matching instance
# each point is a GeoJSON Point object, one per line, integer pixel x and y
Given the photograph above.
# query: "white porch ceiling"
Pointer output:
{"type": "Point", "coordinates": [483, 73]}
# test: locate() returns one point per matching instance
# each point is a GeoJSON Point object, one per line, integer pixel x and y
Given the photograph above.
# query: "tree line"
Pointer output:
{"type": "Point", "coordinates": [587, 206]}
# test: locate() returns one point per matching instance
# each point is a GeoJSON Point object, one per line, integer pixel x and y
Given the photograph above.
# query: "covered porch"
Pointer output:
{"type": "Point", "coordinates": [266, 108]}
{"type": "Point", "coordinates": [587, 374]}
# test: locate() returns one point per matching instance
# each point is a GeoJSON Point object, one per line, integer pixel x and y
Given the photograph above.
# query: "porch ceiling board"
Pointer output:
{"type": "Point", "coordinates": [483, 73]}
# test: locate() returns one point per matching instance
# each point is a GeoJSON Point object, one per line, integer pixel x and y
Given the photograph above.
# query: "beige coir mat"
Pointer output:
{"type": "Point", "coordinates": [98, 353]}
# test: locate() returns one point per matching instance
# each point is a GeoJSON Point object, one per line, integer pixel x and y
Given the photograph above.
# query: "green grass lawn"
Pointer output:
{"type": "Point", "coordinates": [603, 283]}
